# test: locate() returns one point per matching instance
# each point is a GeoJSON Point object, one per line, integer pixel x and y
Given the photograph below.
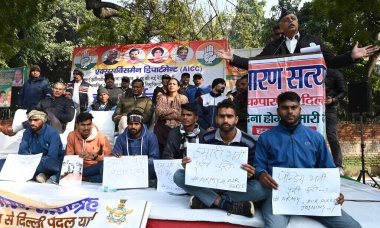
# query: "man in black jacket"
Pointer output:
{"type": "Point", "coordinates": [188, 132]}
{"type": "Point", "coordinates": [292, 42]}
{"type": "Point", "coordinates": [335, 92]}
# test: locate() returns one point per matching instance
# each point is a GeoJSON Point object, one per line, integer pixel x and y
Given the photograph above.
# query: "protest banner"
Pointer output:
{"type": "Point", "coordinates": [150, 61]}
{"type": "Point", "coordinates": [20, 167]}
{"type": "Point", "coordinates": [217, 166]}
{"type": "Point", "coordinates": [303, 74]}
{"type": "Point", "coordinates": [165, 170]}
{"type": "Point", "coordinates": [306, 191]}
{"type": "Point", "coordinates": [71, 171]}
{"type": "Point", "coordinates": [11, 77]}
{"type": "Point", "coordinates": [125, 172]}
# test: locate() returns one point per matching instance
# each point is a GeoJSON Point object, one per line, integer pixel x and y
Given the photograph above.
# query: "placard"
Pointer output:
{"type": "Point", "coordinates": [217, 166]}
{"type": "Point", "coordinates": [125, 172]}
{"type": "Point", "coordinates": [71, 171]}
{"type": "Point", "coordinates": [306, 191]}
{"type": "Point", "coordinates": [19, 167]}
{"type": "Point", "coordinates": [165, 170]}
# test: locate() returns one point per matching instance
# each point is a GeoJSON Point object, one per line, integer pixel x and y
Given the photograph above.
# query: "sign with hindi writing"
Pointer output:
{"type": "Point", "coordinates": [125, 172]}
{"type": "Point", "coordinates": [71, 171]}
{"type": "Point", "coordinates": [303, 74]}
{"type": "Point", "coordinates": [165, 170]}
{"type": "Point", "coordinates": [217, 166]}
{"type": "Point", "coordinates": [306, 191]}
{"type": "Point", "coordinates": [150, 61]}
{"type": "Point", "coordinates": [20, 167]}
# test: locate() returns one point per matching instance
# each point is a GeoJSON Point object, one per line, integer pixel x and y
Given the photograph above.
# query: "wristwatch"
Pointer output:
{"type": "Point", "coordinates": [94, 157]}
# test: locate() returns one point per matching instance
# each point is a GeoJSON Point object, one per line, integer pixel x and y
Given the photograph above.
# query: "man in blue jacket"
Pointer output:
{"type": "Point", "coordinates": [42, 138]}
{"type": "Point", "coordinates": [137, 140]}
{"type": "Point", "coordinates": [293, 145]}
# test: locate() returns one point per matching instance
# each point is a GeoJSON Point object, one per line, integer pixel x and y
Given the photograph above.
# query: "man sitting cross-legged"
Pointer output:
{"type": "Point", "coordinates": [227, 134]}
{"type": "Point", "coordinates": [89, 143]}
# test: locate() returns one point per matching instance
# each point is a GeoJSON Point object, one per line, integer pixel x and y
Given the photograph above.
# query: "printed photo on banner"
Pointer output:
{"type": "Point", "coordinates": [111, 57]}
{"type": "Point", "coordinates": [134, 55]}
{"type": "Point", "coordinates": [182, 54]}
{"type": "Point", "coordinates": [5, 96]}
{"type": "Point", "coordinates": [158, 55]}
{"type": "Point", "coordinates": [18, 79]}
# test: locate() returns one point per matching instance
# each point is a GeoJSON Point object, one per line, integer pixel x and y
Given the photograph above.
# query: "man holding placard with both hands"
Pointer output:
{"type": "Point", "coordinates": [227, 134]}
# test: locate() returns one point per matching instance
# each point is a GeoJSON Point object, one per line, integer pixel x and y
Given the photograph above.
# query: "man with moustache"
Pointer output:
{"type": "Point", "coordinates": [91, 144]}
{"type": "Point", "coordinates": [42, 138]}
{"type": "Point", "coordinates": [309, 150]}
{"type": "Point", "coordinates": [188, 132]}
{"type": "Point", "coordinates": [80, 90]}
{"type": "Point", "coordinates": [185, 79]}
{"type": "Point", "coordinates": [206, 104]}
{"type": "Point", "coordinates": [137, 139]}
{"type": "Point", "coordinates": [292, 41]}
{"type": "Point", "coordinates": [240, 203]}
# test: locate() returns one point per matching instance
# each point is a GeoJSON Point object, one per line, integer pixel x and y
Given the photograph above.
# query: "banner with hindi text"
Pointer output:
{"type": "Point", "coordinates": [303, 74]}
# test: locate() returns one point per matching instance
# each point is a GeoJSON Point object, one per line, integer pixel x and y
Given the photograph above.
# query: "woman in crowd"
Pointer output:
{"type": "Point", "coordinates": [168, 112]}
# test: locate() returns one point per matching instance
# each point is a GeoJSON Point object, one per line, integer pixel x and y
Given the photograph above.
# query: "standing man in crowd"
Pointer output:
{"type": "Point", "coordinates": [309, 150]}
{"type": "Point", "coordinates": [34, 89]}
{"type": "Point", "coordinates": [335, 92]}
{"type": "Point", "coordinates": [185, 80]}
{"type": "Point", "coordinates": [138, 102]}
{"type": "Point", "coordinates": [40, 137]}
{"type": "Point", "coordinates": [193, 92]}
{"type": "Point", "coordinates": [89, 143]}
{"type": "Point", "coordinates": [158, 91]}
{"type": "Point", "coordinates": [188, 132]}
{"type": "Point", "coordinates": [240, 99]}
{"type": "Point", "coordinates": [125, 86]}
{"type": "Point", "coordinates": [115, 93]}
{"type": "Point", "coordinates": [81, 90]}
{"type": "Point", "coordinates": [240, 203]}
{"type": "Point", "coordinates": [137, 139]}
{"type": "Point", "coordinates": [207, 103]}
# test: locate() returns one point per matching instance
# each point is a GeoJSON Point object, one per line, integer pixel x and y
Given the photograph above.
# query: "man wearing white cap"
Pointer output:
{"type": "Point", "coordinates": [43, 138]}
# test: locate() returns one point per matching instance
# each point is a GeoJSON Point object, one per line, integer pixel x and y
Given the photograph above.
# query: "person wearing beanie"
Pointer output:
{"type": "Point", "coordinates": [34, 89]}
{"type": "Point", "coordinates": [292, 41]}
{"type": "Point", "coordinates": [40, 137]}
{"type": "Point", "coordinates": [115, 93]}
{"type": "Point", "coordinates": [207, 104]}
{"type": "Point", "coordinates": [103, 103]}
{"type": "Point", "coordinates": [80, 90]}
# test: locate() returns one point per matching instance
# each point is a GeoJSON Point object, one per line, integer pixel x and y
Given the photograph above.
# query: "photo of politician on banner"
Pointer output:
{"type": "Point", "coordinates": [303, 74]}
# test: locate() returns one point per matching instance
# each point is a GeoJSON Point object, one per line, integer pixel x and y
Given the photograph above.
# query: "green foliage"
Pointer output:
{"type": "Point", "coordinates": [247, 24]}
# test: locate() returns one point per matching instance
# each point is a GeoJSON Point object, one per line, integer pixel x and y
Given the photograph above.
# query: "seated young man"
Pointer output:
{"type": "Point", "coordinates": [89, 143]}
{"type": "Point", "coordinates": [40, 137]}
{"type": "Point", "coordinates": [137, 140]}
{"type": "Point", "coordinates": [240, 203]}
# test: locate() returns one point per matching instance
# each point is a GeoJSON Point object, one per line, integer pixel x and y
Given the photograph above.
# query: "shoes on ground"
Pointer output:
{"type": "Point", "coordinates": [195, 203]}
{"type": "Point", "coordinates": [245, 208]}
{"type": "Point", "coordinates": [41, 178]}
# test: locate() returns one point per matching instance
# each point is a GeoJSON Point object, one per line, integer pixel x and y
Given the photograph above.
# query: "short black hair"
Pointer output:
{"type": "Point", "coordinates": [138, 80]}
{"type": "Point", "coordinates": [226, 104]}
{"type": "Point", "coordinates": [165, 76]}
{"type": "Point", "coordinates": [79, 72]}
{"type": "Point", "coordinates": [189, 107]}
{"type": "Point", "coordinates": [185, 75]}
{"type": "Point", "coordinates": [83, 117]}
{"type": "Point", "coordinates": [157, 48]}
{"type": "Point", "coordinates": [132, 50]}
{"type": "Point", "coordinates": [125, 79]}
{"type": "Point", "coordinates": [244, 76]}
{"type": "Point", "coordinates": [3, 91]}
{"type": "Point", "coordinates": [288, 96]}
{"type": "Point", "coordinates": [182, 48]}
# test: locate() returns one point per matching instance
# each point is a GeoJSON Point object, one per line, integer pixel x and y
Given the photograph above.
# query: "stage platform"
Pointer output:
{"type": "Point", "coordinates": [362, 202]}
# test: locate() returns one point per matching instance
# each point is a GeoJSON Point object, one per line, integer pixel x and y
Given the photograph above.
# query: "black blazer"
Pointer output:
{"type": "Point", "coordinates": [278, 47]}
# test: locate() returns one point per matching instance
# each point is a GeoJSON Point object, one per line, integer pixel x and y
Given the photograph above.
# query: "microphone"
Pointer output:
{"type": "Point", "coordinates": [283, 40]}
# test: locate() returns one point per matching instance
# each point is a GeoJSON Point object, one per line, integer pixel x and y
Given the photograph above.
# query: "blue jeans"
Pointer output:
{"type": "Point", "coordinates": [94, 173]}
{"type": "Point", "coordinates": [255, 191]}
{"type": "Point", "coordinates": [276, 221]}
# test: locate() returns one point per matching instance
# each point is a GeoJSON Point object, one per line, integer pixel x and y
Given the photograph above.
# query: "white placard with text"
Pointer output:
{"type": "Point", "coordinates": [217, 166]}
{"type": "Point", "coordinates": [306, 191]}
{"type": "Point", "coordinates": [19, 167]}
{"type": "Point", "coordinates": [165, 170]}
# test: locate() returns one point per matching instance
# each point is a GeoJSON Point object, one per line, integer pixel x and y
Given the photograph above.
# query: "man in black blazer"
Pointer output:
{"type": "Point", "coordinates": [292, 41]}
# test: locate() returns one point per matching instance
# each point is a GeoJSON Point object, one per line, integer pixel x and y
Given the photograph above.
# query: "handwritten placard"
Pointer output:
{"type": "Point", "coordinates": [20, 167]}
{"type": "Point", "coordinates": [71, 171]}
{"type": "Point", "coordinates": [165, 170]}
{"type": "Point", "coordinates": [125, 172]}
{"type": "Point", "coordinates": [306, 191]}
{"type": "Point", "coordinates": [217, 166]}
